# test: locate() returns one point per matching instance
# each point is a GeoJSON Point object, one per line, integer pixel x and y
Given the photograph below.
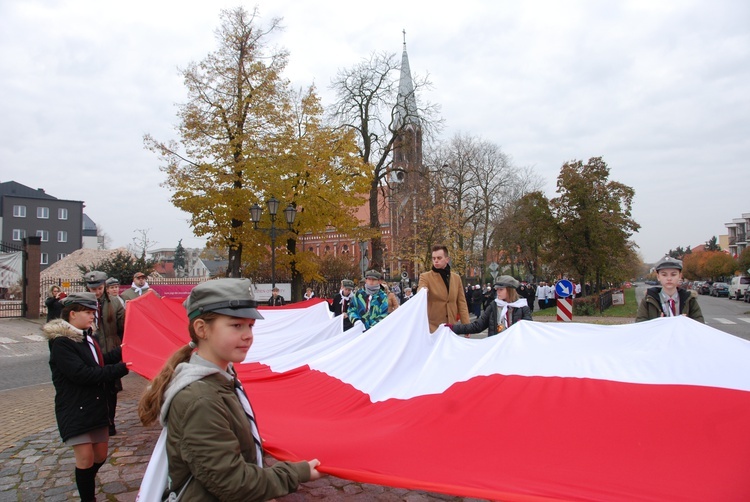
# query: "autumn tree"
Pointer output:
{"type": "Point", "coordinates": [593, 216]}
{"type": "Point", "coordinates": [367, 103]}
{"type": "Point", "coordinates": [242, 142]}
{"type": "Point", "coordinates": [719, 264]}
{"type": "Point", "coordinates": [743, 262]}
{"type": "Point", "coordinates": [319, 171]}
{"type": "Point", "coordinates": [236, 103]}
{"type": "Point", "coordinates": [708, 265]}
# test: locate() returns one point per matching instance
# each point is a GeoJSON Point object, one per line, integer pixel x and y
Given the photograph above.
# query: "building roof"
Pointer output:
{"type": "Point", "coordinates": [18, 190]}
{"type": "Point", "coordinates": [88, 223]}
{"type": "Point", "coordinates": [216, 267]}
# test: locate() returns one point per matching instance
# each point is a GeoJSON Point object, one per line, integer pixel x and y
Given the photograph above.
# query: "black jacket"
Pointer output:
{"type": "Point", "coordinates": [80, 383]}
{"type": "Point", "coordinates": [488, 320]}
{"type": "Point", "coordinates": [337, 309]}
{"type": "Point", "coordinates": [54, 308]}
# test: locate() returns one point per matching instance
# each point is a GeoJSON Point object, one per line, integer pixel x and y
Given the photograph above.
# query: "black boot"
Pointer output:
{"type": "Point", "coordinates": [86, 482]}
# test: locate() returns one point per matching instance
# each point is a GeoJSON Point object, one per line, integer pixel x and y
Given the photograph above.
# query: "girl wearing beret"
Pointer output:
{"type": "Point", "coordinates": [81, 373]}
{"type": "Point", "coordinates": [213, 444]}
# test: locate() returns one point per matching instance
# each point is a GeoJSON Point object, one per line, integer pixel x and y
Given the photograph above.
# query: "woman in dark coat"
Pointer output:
{"type": "Point", "coordinates": [80, 373]}
{"type": "Point", "coordinates": [54, 303]}
{"type": "Point", "coordinates": [501, 314]}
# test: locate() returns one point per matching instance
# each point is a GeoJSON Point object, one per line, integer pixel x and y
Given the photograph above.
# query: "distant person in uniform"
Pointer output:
{"type": "Point", "coordinates": [139, 287]}
{"type": "Point", "coordinates": [276, 299]}
{"type": "Point", "coordinates": [341, 301]}
{"type": "Point", "coordinates": [109, 328]}
{"type": "Point", "coordinates": [369, 305]}
{"type": "Point", "coordinates": [669, 300]}
{"type": "Point", "coordinates": [113, 290]}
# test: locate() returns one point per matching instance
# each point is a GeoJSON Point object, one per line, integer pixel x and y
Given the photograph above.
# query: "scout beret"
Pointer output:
{"type": "Point", "coordinates": [347, 283]}
{"type": "Point", "coordinates": [668, 262]}
{"type": "Point", "coordinates": [113, 281]}
{"type": "Point", "coordinates": [87, 300]}
{"type": "Point", "coordinates": [373, 274]}
{"type": "Point", "coordinates": [95, 278]}
{"type": "Point", "coordinates": [506, 281]}
{"type": "Point", "coordinates": [232, 297]}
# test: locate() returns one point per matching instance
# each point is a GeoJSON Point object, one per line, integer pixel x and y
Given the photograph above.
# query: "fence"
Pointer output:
{"type": "Point", "coordinates": [11, 280]}
{"type": "Point", "coordinates": [76, 285]}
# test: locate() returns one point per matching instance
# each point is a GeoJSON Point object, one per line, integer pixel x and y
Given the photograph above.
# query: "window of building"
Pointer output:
{"type": "Point", "coordinates": [327, 250]}
{"type": "Point", "coordinates": [18, 234]}
{"type": "Point", "coordinates": [42, 213]}
{"type": "Point", "coordinates": [344, 249]}
{"type": "Point", "coordinates": [62, 213]}
{"type": "Point", "coordinates": [45, 259]}
{"type": "Point", "coordinates": [62, 236]}
{"type": "Point", "coordinates": [44, 234]}
{"type": "Point", "coordinates": [19, 211]}
{"type": "Point", "coordinates": [60, 256]}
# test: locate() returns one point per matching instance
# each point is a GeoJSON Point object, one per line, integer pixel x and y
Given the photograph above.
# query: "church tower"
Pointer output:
{"type": "Point", "coordinates": [407, 179]}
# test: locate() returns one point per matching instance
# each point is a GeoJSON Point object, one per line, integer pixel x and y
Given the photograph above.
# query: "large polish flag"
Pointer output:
{"type": "Point", "coordinates": [656, 411]}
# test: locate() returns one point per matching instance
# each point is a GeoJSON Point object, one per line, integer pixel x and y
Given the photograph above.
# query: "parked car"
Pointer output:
{"type": "Point", "coordinates": [705, 288]}
{"type": "Point", "coordinates": [720, 289]}
{"type": "Point", "coordinates": [737, 286]}
{"type": "Point", "coordinates": [696, 286]}
{"type": "Point", "coordinates": [747, 295]}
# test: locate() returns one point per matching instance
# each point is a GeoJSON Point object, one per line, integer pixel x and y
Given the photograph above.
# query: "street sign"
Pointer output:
{"type": "Point", "coordinates": [564, 288]}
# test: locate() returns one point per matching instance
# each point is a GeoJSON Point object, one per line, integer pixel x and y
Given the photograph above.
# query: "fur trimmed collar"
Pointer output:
{"type": "Point", "coordinates": [58, 328]}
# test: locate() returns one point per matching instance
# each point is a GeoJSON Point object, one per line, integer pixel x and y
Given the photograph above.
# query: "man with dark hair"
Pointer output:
{"type": "Point", "coordinates": [446, 302]}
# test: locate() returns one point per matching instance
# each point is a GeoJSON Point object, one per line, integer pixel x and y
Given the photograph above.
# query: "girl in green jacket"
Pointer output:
{"type": "Point", "coordinates": [213, 444]}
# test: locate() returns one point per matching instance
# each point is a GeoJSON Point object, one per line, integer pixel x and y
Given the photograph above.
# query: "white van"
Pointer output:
{"type": "Point", "coordinates": [737, 286]}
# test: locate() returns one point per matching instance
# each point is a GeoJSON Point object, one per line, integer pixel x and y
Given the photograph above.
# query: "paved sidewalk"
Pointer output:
{"type": "Point", "coordinates": [37, 466]}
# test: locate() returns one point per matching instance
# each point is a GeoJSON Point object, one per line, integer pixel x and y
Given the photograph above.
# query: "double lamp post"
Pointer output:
{"type": "Point", "coordinates": [273, 207]}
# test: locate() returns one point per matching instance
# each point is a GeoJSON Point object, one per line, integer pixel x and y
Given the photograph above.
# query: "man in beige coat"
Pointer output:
{"type": "Point", "coordinates": [446, 302]}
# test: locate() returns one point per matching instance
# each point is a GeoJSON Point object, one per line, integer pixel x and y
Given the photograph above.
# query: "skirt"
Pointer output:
{"type": "Point", "coordinates": [100, 435]}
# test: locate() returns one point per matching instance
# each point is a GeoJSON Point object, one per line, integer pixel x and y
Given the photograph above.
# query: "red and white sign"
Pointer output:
{"type": "Point", "coordinates": [565, 309]}
{"type": "Point", "coordinates": [543, 411]}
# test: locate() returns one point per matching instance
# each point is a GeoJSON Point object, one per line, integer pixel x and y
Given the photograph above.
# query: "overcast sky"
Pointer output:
{"type": "Point", "coordinates": [659, 89]}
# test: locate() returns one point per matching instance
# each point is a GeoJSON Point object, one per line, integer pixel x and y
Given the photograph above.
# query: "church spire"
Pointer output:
{"type": "Point", "coordinates": [406, 103]}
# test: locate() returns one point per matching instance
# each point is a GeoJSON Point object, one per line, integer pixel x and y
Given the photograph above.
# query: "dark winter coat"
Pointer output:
{"type": "Point", "coordinates": [488, 320]}
{"type": "Point", "coordinates": [276, 301]}
{"type": "Point", "coordinates": [337, 308]}
{"type": "Point", "coordinates": [650, 306]}
{"type": "Point", "coordinates": [80, 383]}
{"type": "Point", "coordinates": [54, 308]}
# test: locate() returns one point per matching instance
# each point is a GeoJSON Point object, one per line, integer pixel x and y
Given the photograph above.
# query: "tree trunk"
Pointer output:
{"type": "Point", "coordinates": [297, 283]}
{"type": "Point", "coordinates": [376, 262]}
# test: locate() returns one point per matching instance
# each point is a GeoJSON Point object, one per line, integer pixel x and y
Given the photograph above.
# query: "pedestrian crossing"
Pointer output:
{"type": "Point", "coordinates": [723, 320]}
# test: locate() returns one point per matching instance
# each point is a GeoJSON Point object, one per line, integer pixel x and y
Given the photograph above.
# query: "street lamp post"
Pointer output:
{"type": "Point", "coordinates": [273, 208]}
